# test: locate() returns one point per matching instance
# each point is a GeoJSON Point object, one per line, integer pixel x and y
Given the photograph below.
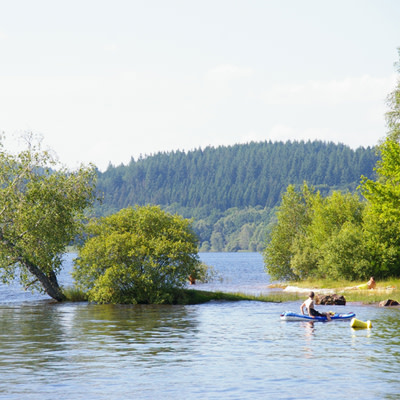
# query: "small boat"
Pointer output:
{"type": "Point", "coordinates": [292, 316]}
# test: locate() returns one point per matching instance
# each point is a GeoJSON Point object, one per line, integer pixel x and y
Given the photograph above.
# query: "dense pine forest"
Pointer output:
{"type": "Point", "coordinates": [231, 191]}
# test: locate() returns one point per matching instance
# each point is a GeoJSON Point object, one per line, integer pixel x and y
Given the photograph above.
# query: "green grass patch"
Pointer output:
{"type": "Point", "coordinates": [192, 296]}
{"type": "Point", "coordinates": [370, 296]}
{"type": "Point", "coordinates": [75, 295]}
{"type": "Point", "coordinates": [385, 290]}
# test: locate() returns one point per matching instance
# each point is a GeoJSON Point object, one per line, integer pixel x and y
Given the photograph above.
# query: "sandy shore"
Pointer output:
{"type": "Point", "coordinates": [295, 289]}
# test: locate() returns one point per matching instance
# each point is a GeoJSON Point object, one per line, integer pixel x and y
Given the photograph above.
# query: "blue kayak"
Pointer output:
{"type": "Point", "coordinates": [292, 316]}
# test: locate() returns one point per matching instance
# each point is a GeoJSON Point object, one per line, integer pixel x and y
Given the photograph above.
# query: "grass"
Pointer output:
{"type": "Point", "coordinates": [193, 296]}
{"type": "Point", "coordinates": [369, 297]}
{"type": "Point", "coordinates": [74, 295]}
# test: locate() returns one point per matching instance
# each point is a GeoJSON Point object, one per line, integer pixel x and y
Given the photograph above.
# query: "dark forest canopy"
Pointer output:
{"type": "Point", "coordinates": [242, 175]}
{"type": "Point", "coordinates": [216, 183]}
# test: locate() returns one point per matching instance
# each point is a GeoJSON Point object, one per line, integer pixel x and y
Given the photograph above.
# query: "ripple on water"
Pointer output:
{"type": "Point", "coordinates": [219, 350]}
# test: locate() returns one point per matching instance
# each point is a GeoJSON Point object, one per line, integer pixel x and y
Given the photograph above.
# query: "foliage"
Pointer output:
{"type": "Point", "coordinates": [232, 230]}
{"type": "Point", "coordinates": [384, 193]}
{"type": "Point", "coordinates": [138, 255]}
{"type": "Point", "coordinates": [202, 296]}
{"type": "Point", "coordinates": [243, 175]}
{"type": "Point", "coordinates": [231, 191]}
{"type": "Point", "coordinates": [336, 234]}
{"type": "Point", "coordinates": [317, 237]}
{"type": "Point", "coordinates": [292, 219]}
{"type": "Point", "coordinates": [41, 211]}
{"type": "Point", "coordinates": [74, 294]}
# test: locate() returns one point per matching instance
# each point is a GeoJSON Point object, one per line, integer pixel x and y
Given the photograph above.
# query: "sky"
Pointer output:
{"type": "Point", "coordinates": [104, 81]}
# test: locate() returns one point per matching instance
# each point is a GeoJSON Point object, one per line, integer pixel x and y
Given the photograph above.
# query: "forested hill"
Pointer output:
{"type": "Point", "coordinates": [244, 176]}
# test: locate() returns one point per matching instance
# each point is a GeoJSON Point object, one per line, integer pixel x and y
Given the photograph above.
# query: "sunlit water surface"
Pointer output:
{"type": "Point", "coordinates": [219, 350]}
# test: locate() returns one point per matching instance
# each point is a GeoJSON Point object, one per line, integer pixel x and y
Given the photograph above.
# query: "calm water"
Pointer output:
{"type": "Point", "coordinates": [212, 351]}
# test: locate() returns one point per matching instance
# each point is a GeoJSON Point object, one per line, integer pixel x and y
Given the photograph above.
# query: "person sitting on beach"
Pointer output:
{"type": "Point", "coordinates": [312, 312]}
{"type": "Point", "coordinates": [371, 284]}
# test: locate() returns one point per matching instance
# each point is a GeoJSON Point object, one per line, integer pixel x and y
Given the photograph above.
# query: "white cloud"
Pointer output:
{"type": "Point", "coordinates": [360, 89]}
{"type": "Point", "coordinates": [227, 72]}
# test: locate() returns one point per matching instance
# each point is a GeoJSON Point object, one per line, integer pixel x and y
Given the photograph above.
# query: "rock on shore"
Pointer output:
{"type": "Point", "coordinates": [332, 300]}
{"type": "Point", "coordinates": [388, 303]}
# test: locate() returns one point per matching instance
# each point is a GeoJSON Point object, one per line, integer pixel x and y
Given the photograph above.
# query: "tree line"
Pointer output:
{"type": "Point", "coordinates": [231, 191]}
{"type": "Point", "coordinates": [242, 175]}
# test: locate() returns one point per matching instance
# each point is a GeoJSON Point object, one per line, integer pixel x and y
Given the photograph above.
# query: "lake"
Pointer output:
{"type": "Point", "coordinates": [218, 350]}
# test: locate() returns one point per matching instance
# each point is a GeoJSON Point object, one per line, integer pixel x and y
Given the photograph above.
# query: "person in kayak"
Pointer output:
{"type": "Point", "coordinates": [312, 312]}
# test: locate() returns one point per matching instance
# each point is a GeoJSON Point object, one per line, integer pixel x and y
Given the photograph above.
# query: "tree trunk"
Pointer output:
{"type": "Point", "coordinates": [49, 282]}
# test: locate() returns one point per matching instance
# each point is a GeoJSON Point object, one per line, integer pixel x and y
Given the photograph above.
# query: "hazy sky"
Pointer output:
{"type": "Point", "coordinates": [106, 80]}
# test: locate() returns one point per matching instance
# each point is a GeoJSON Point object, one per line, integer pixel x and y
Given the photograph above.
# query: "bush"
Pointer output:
{"type": "Point", "coordinates": [138, 255]}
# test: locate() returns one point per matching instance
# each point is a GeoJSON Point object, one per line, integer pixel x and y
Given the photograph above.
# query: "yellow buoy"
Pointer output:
{"type": "Point", "coordinates": [357, 324]}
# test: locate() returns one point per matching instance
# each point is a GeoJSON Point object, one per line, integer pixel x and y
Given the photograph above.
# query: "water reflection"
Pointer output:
{"type": "Point", "coordinates": [239, 350]}
{"type": "Point", "coordinates": [147, 331]}
{"type": "Point", "coordinates": [309, 330]}
{"type": "Point", "coordinates": [84, 339]}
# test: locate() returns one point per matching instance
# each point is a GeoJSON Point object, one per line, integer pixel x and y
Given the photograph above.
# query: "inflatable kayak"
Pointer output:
{"type": "Point", "coordinates": [292, 316]}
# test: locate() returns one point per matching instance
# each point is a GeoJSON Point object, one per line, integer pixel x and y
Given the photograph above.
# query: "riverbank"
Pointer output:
{"type": "Point", "coordinates": [350, 290]}
{"type": "Point", "coordinates": [281, 293]}
{"type": "Point", "coordinates": [193, 296]}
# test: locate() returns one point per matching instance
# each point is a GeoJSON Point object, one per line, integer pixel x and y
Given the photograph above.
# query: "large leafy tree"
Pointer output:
{"type": "Point", "coordinates": [317, 236]}
{"type": "Point", "coordinates": [382, 220]}
{"type": "Point", "coordinates": [337, 237]}
{"type": "Point", "coordinates": [138, 255]}
{"type": "Point", "coordinates": [293, 218]}
{"type": "Point", "coordinates": [41, 209]}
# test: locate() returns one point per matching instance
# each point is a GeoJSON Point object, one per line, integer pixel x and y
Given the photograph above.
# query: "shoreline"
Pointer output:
{"type": "Point", "coordinates": [352, 294]}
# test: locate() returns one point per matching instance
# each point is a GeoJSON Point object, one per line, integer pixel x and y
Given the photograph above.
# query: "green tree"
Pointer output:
{"type": "Point", "coordinates": [382, 239]}
{"type": "Point", "coordinates": [138, 255]}
{"type": "Point", "coordinates": [217, 241]}
{"type": "Point", "coordinates": [318, 237]}
{"type": "Point", "coordinates": [384, 193]}
{"type": "Point", "coordinates": [293, 217]}
{"type": "Point", "coordinates": [345, 254]}
{"type": "Point", "coordinates": [41, 211]}
{"type": "Point", "coordinates": [382, 221]}
{"type": "Point", "coordinates": [253, 174]}
{"type": "Point", "coordinates": [336, 234]}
